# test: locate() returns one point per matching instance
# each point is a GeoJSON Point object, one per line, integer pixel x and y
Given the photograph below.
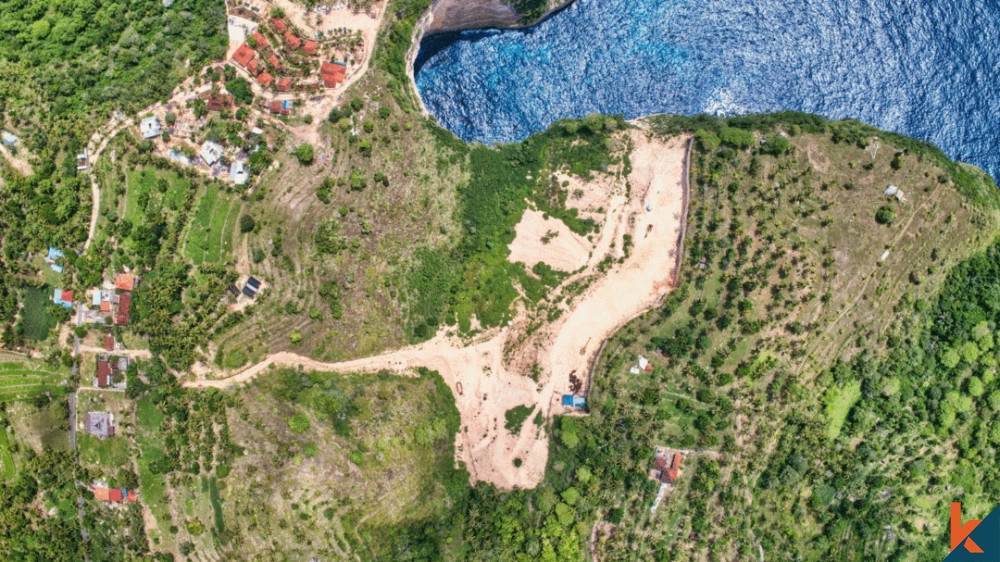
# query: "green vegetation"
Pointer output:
{"type": "Point", "coordinates": [7, 467]}
{"type": "Point", "coordinates": [38, 320]}
{"type": "Point", "coordinates": [838, 403]}
{"type": "Point", "coordinates": [69, 60]}
{"type": "Point", "coordinates": [26, 380]}
{"type": "Point", "coordinates": [474, 278]}
{"type": "Point", "coordinates": [885, 215]}
{"type": "Point", "coordinates": [515, 418]}
{"type": "Point", "coordinates": [210, 236]}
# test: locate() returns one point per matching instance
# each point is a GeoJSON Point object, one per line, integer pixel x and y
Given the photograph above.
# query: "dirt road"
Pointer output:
{"type": "Point", "coordinates": [487, 375]}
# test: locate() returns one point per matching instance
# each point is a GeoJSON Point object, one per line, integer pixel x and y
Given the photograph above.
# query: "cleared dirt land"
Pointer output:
{"type": "Point", "coordinates": [488, 375]}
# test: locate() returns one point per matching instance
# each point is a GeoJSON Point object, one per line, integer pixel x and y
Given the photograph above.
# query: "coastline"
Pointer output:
{"type": "Point", "coordinates": [425, 28]}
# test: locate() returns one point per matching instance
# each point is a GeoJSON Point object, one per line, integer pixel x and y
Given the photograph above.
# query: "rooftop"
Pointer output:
{"type": "Point", "coordinates": [99, 424]}
{"type": "Point", "coordinates": [149, 127]}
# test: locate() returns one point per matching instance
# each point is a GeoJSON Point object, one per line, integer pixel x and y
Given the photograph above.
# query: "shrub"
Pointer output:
{"type": "Point", "coordinates": [737, 138]}
{"type": "Point", "coordinates": [776, 145]}
{"type": "Point", "coordinates": [299, 423]}
{"type": "Point", "coordinates": [240, 89]}
{"type": "Point", "coordinates": [885, 215]}
{"type": "Point", "coordinates": [897, 161]}
{"type": "Point", "coordinates": [707, 141]}
{"type": "Point", "coordinates": [247, 224]}
{"type": "Point", "coordinates": [304, 153]}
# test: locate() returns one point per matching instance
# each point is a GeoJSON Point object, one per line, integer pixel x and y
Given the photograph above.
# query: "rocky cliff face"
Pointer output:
{"type": "Point", "coordinates": [456, 15]}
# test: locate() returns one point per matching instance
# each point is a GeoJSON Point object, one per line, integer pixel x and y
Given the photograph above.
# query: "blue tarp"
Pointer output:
{"type": "Point", "coordinates": [287, 104]}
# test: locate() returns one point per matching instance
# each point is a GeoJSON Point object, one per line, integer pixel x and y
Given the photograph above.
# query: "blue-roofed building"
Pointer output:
{"type": "Point", "coordinates": [53, 255]}
{"type": "Point", "coordinates": [572, 401]}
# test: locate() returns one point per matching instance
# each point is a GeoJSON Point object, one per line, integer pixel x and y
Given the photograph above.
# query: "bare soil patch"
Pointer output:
{"type": "Point", "coordinates": [549, 240]}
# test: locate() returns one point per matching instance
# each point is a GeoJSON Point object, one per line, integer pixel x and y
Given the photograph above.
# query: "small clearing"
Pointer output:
{"type": "Point", "coordinates": [545, 239]}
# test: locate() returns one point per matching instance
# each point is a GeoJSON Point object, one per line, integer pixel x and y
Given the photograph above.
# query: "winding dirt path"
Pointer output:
{"type": "Point", "coordinates": [487, 375]}
{"type": "Point", "coordinates": [101, 142]}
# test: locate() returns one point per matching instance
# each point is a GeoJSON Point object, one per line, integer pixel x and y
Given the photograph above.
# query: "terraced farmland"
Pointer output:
{"type": "Point", "coordinates": [210, 234]}
{"type": "Point", "coordinates": [21, 380]}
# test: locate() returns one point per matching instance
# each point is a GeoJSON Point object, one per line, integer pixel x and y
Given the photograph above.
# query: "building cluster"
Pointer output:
{"type": "Point", "coordinates": [262, 59]}
{"type": "Point", "coordinates": [211, 153]}
{"type": "Point", "coordinates": [114, 495]}
{"type": "Point", "coordinates": [111, 371]}
{"type": "Point", "coordinates": [111, 305]}
{"type": "Point", "coordinates": [642, 365]}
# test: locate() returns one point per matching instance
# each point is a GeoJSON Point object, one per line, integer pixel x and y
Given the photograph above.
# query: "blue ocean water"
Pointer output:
{"type": "Point", "coordinates": [926, 68]}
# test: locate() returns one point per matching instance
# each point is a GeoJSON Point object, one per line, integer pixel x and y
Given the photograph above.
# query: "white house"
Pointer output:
{"type": "Point", "coordinates": [238, 173]}
{"type": "Point", "coordinates": [210, 152]}
{"type": "Point", "coordinates": [149, 127]}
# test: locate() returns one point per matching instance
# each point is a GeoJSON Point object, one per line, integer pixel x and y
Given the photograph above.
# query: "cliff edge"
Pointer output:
{"type": "Point", "coordinates": [457, 15]}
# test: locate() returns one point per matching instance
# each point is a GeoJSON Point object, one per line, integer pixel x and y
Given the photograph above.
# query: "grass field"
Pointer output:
{"type": "Point", "coordinates": [153, 486]}
{"type": "Point", "coordinates": [146, 195]}
{"type": "Point", "coordinates": [37, 320]}
{"type": "Point", "coordinates": [210, 234]}
{"type": "Point", "coordinates": [838, 402]}
{"type": "Point", "coordinates": [25, 380]}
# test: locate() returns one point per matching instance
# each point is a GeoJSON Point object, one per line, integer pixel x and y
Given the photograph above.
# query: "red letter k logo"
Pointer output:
{"type": "Point", "coordinates": [960, 532]}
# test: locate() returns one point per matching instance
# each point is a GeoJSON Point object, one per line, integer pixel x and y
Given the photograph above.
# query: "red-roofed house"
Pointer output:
{"type": "Point", "coordinates": [253, 67]}
{"type": "Point", "coordinates": [101, 493]}
{"type": "Point", "coordinates": [279, 24]}
{"type": "Point", "coordinates": [273, 59]}
{"type": "Point", "coordinates": [277, 107]}
{"type": "Point", "coordinates": [124, 302]}
{"type": "Point", "coordinates": [260, 39]}
{"type": "Point", "coordinates": [292, 41]}
{"type": "Point", "coordinates": [109, 343]}
{"type": "Point", "coordinates": [265, 79]}
{"type": "Point", "coordinates": [310, 47]}
{"type": "Point", "coordinates": [669, 476]}
{"type": "Point", "coordinates": [105, 306]}
{"type": "Point", "coordinates": [217, 102]}
{"type": "Point", "coordinates": [243, 55]}
{"type": "Point", "coordinates": [131, 496]}
{"type": "Point", "coordinates": [284, 84]}
{"type": "Point", "coordinates": [124, 281]}
{"type": "Point", "coordinates": [103, 374]}
{"type": "Point", "coordinates": [663, 471]}
{"type": "Point", "coordinates": [115, 495]}
{"type": "Point", "coordinates": [67, 296]}
{"type": "Point", "coordinates": [332, 73]}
